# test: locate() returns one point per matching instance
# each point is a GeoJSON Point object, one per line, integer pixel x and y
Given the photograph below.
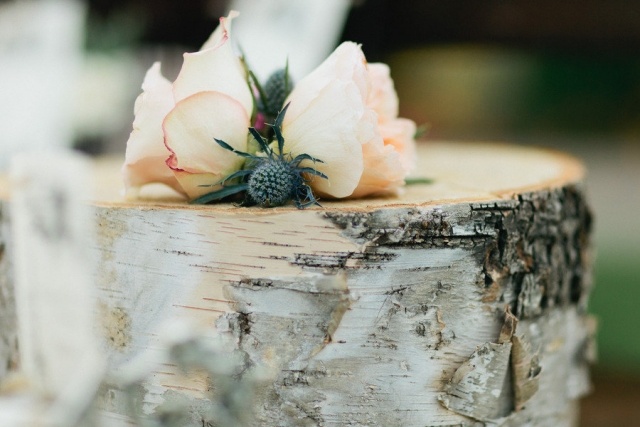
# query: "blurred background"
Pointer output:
{"type": "Point", "coordinates": [564, 75]}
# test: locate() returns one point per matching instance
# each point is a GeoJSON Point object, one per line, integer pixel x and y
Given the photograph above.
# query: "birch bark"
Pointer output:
{"type": "Point", "coordinates": [371, 312]}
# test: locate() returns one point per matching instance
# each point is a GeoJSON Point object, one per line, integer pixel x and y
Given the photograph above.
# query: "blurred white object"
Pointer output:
{"type": "Point", "coordinates": [40, 53]}
{"type": "Point", "coordinates": [304, 31]}
{"type": "Point", "coordinates": [55, 296]}
{"type": "Point", "coordinates": [103, 90]}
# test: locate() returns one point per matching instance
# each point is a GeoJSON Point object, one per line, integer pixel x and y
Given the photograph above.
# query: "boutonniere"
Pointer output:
{"type": "Point", "coordinates": [216, 132]}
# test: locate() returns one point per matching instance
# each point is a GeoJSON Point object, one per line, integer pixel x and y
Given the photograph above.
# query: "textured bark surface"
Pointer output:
{"type": "Point", "coordinates": [369, 316]}
{"type": "Point", "coordinates": [377, 313]}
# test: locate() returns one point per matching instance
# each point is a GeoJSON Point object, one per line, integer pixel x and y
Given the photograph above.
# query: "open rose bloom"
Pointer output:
{"type": "Point", "coordinates": [344, 113]}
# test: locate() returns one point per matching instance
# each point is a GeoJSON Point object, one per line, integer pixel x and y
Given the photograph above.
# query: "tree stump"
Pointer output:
{"type": "Point", "coordinates": [460, 303]}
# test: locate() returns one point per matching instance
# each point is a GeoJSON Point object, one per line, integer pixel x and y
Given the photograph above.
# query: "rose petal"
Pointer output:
{"type": "Point", "coordinates": [328, 128]}
{"type": "Point", "coordinates": [223, 30]}
{"type": "Point", "coordinates": [198, 184]}
{"type": "Point", "coordinates": [215, 69]}
{"type": "Point", "coordinates": [399, 134]}
{"type": "Point", "coordinates": [190, 131]}
{"type": "Point", "coordinates": [347, 63]}
{"type": "Point", "coordinates": [383, 172]}
{"type": "Point", "coordinates": [146, 153]}
{"type": "Point", "coordinates": [383, 98]}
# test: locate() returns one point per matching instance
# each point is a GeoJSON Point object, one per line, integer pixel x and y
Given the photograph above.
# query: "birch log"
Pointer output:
{"type": "Point", "coordinates": [459, 303]}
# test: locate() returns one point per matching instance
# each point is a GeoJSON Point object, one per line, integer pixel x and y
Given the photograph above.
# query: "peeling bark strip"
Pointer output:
{"type": "Point", "coordinates": [526, 371]}
{"type": "Point", "coordinates": [478, 387]}
{"type": "Point", "coordinates": [497, 378]}
{"type": "Point", "coordinates": [366, 312]}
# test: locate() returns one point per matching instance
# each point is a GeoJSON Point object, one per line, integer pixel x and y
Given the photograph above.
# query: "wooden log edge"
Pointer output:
{"type": "Point", "coordinates": [404, 298]}
{"type": "Point", "coordinates": [521, 169]}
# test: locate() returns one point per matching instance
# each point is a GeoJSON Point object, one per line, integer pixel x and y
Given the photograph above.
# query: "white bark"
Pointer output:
{"type": "Point", "coordinates": [371, 312]}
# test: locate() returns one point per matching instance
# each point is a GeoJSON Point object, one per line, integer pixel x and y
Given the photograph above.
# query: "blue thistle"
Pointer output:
{"type": "Point", "coordinates": [272, 94]}
{"type": "Point", "coordinates": [270, 180]}
{"type": "Point", "coordinates": [276, 90]}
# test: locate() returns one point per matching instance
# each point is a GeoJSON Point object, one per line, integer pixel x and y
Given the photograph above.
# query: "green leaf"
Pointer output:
{"type": "Point", "coordinates": [277, 128]}
{"type": "Point", "coordinates": [263, 144]}
{"type": "Point", "coordinates": [418, 180]}
{"type": "Point", "coordinates": [286, 78]}
{"type": "Point", "coordinates": [279, 138]}
{"type": "Point", "coordinates": [220, 194]}
{"type": "Point", "coordinates": [247, 70]}
{"type": "Point", "coordinates": [238, 174]}
{"type": "Point", "coordinates": [280, 117]}
{"type": "Point", "coordinates": [302, 157]}
{"type": "Point", "coordinates": [422, 130]}
{"type": "Point", "coordinates": [233, 150]}
{"type": "Point", "coordinates": [307, 195]}
{"type": "Point", "coordinates": [261, 92]}
{"type": "Point", "coordinates": [312, 171]}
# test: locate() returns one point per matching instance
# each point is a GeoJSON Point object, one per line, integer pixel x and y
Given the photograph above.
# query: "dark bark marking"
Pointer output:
{"type": "Point", "coordinates": [330, 262]}
{"type": "Point", "coordinates": [533, 250]}
{"type": "Point", "coordinates": [542, 255]}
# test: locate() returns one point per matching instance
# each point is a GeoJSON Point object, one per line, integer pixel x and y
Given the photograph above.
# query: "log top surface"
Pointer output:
{"type": "Point", "coordinates": [461, 172]}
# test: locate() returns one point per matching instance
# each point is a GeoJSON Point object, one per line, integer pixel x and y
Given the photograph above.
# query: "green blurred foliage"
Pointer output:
{"type": "Point", "coordinates": [614, 302]}
{"type": "Point", "coordinates": [582, 94]}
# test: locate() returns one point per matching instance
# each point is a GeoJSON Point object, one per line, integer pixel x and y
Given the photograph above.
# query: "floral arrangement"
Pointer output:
{"type": "Point", "coordinates": [216, 132]}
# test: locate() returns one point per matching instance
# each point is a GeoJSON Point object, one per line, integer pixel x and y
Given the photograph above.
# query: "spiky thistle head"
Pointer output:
{"type": "Point", "coordinates": [273, 182]}
{"type": "Point", "coordinates": [272, 179]}
{"type": "Point", "coordinates": [271, 96]}
{"type": "Point", "coordinates": [276, 90]}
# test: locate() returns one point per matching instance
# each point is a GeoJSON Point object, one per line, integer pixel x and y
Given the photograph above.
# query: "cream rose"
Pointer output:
{"type": "Point", "coordinates": [397, 132]}
{"type": "Point", "coordinates": [172, 141]}
{"type": "Point", "coordinates": [343, 113]}
{"type": "Point", "coordinates": [328, 119]}
{"type": "Point", "coordinates": [387, 161]}
{"type": "Point", "coordinates": [363, 106]}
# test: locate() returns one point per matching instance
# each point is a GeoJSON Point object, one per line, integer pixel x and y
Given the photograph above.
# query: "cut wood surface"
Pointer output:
{"type": "Point", "coordinates": [460, 302]}
{"type": "Point", "coordinates": [462, 172]}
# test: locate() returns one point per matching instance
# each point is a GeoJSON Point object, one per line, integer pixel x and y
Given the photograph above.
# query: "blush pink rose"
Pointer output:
{"type": "Point", "coordinates": [388, 160]}
{"type": "Point", "coordinates": [328, 119]}
{"type": "Point", "coordinates": [175, 124]}
{"type": "Point", "coordinates": [146, 153]}
{"type": "Point", "coordinates": [396, 131]}
{"type": "Point", "coordinates": [345, 113]}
